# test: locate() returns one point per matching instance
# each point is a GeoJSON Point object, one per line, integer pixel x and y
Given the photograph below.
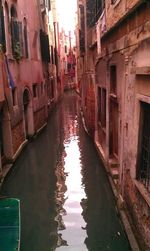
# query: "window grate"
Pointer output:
{"type": "Point", "coordinates": [144, 163]}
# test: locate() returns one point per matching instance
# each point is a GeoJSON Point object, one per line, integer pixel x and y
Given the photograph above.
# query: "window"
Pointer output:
{"type": "Point", "coordinates": [65, 48]}
{"type": "Point", "coordinates": [143, 172]}
{"type": "Point", "coordinates": [14, 96]}
{"type": "Point", "coordinates": [102, 106]}
{"type": "Point", "coordinates": [52, 54]}
{"type": "Point", "coordinates": [2, 30]}
{"type": "Point", "coordinates": [16, 34]}
{"type": "Point", "coordinates": [94, 10]}
{"type": "Point", "coordinates": [26, 97]}
{"type": "Point", "coordinates": [7, 28]}
{"type": "Point", "coordinates": [44, 41]}
{"type": "Point", "coordinates": [35, 90]}
{"type": "Point", "coordinates": [113, 114]}
{"type": "Point", "coordinates": [113, 79]}
{"type": "Point", "coordinates": [25, 37]}
{"type": "Point", "coordinates": [48, 4]}
{"type": "Point", "coordinates": [113, 127]}
{"type": "Point", "coordinates": [82, 29]}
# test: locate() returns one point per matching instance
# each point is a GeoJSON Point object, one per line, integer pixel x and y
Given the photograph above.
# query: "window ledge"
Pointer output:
{"type": "Point", "coordinates": [143, 191]}
{"type": "Point", "coordinates": [145, 70]}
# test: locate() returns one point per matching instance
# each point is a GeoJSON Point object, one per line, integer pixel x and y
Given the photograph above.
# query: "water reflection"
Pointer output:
{"type": "Point", "coordinates": [66, 200]}
{"type": "Point", "coordinates": [69, 188]}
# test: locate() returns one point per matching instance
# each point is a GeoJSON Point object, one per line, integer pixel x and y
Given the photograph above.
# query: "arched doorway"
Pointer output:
{"type": "Point", "coordinates": [28, 114]}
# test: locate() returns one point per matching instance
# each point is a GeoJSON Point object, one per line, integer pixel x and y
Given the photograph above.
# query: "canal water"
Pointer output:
{"type": "Point", "coordinates": [66, 200]}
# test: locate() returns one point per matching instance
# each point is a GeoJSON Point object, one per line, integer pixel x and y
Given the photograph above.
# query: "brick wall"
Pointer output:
{"type": "Point", "coordinates": [90, 112]}
{"type": "Point", "coordinates": [138, 208]}
{"type": "Point", "coordinates": [114, 12]}
{"type": "Point", "coordinates": [18, 136]}
{"type": "Point", "coordinates": [132, 22]}
{"type": "Point", "coordinates": [39, 118]}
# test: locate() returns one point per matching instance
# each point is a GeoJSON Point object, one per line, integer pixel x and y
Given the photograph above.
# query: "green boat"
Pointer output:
{"type": "Point", "coordinates": [9, 224]}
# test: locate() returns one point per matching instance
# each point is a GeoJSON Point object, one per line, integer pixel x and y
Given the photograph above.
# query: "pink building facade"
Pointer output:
{"type": "Point", "coordinates": [29, 83]}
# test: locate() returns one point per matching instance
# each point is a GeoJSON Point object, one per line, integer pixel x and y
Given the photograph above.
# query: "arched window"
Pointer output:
{"type": "Point", "coordinates": [14, 29]}
{"type": "Point", "coordinates": [35, 90]}
{"type": "Point", "coordinates": [16, 34]}
{"type": "Point", "coordinates": [13, 12]}
{"type": "Point", "coordinates": [2, 29]}
{"type": "Point", "coordinates": [7, 30]}
{"type": "Point", "coordinates": [25, 37]}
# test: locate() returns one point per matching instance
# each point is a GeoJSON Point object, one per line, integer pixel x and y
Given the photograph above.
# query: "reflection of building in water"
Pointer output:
{"type": "Point", "coordinates": [58, 190]}
{"type": "Point", "coordinates": [60, 199]}
{"type": "Point", "coordinates": [70, 121]}
{"type": "Point", "coordinates": [57, 201]}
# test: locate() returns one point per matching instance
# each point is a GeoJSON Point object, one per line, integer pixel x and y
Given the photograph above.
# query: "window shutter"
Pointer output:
{"type": "Point", "coordinates": [45, 52]}
{"type": "Point", "coordinates": [16, 31]}
{"type": "Point", "coordinates": [26, 52]}
{"type": "Point", "coordinates": [49, 5]}
{"type": "Point", "coordinates": [2, 30]}
{"type": "Point", "coordinates": [20, 37]}
{"type": "Point", "coordinates": [14, 34]}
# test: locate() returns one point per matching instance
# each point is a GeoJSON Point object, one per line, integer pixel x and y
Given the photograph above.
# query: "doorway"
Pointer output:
{"type": "Point", "coordinates": [113, 129]}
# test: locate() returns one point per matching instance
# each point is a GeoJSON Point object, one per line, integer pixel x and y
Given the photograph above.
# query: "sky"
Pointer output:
{"type": "Point", "coordinates": [66, 10]}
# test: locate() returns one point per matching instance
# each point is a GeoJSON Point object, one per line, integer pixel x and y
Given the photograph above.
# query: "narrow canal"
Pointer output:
{"type": "Point", "coordinates": [66, 200]}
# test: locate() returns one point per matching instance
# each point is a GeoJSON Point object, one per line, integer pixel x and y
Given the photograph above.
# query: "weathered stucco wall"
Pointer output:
{"type": "Point", "coordinates": [88, 102]}
{"type": "Point", "coordinates": [114, 12]}
{"type": "Point", "coordinates": [39, 119]}
{"type": "Point", "coordinates": [103, 81]}
{"type": "Point", "coordinates": [17, 136]}
{"type": "Point", "coordinates": [128, 46]}
{"type": "Point", "coordinates": [137, 90]}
